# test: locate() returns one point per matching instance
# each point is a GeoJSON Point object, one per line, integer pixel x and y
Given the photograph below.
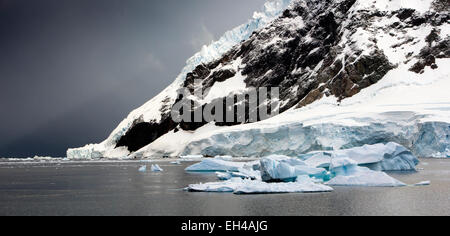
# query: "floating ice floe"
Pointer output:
{"type": "Point", "coordinates": [423, 183]}
{"type": "Point", "coordinates": [176, 162]}
{"type": "Point", "coordinates": [143, 168]}
{"type": "Point", "coordinates": [156, 168]}
{"type": "Point", "coordinates": [346, 172]}
{"type": "Point", "coordinates": [246, 186]}
{"type": "Point", "coordinates": [213, 165]}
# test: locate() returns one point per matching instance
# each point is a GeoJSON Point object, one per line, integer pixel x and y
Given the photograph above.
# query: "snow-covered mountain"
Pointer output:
{"type": "Point", "coordinates": [350, 72]}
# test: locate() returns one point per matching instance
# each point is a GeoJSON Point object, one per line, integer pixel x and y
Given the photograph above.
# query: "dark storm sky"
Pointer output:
{"type": "Point", "coordinates": [71, 70]}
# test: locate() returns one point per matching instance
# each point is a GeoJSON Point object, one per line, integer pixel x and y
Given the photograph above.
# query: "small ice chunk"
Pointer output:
{"type": "Point", "coordinates": [143, 168]}
{"type": "Point", "coordinates": [156, 168]}
{"type": "Point", "coordinates": [214, 165]}
{"type": "Point", "coordinates": [423, 183]}
{"type": "Point", "coordinates": [176, 162]}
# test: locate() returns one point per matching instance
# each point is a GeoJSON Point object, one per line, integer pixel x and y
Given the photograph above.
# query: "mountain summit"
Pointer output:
{"type": "Point", "coordinates": [348, 73]}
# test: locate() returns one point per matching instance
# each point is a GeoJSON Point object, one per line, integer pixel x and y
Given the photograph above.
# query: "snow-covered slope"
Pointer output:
{"type": "Point", "coordinates": [350, 72]}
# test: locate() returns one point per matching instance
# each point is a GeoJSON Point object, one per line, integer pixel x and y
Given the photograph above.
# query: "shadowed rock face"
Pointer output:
{"type": "Point", "coordinates": [143, 133]}
{"type": "Point", "coordinates": [307, 55]}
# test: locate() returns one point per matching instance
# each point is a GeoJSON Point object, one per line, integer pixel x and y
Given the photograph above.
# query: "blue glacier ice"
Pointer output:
{"type": "Point", "coordinates": [214, 165]}
{"type": "Point", "coordinates": [274, 169]}
{"type": "Point", "coordinates": [318, 159]}
{"type": "Point", "coordinates": [382, 157]}
{"type": "Point", "coordinates": [430, 139]}
{"type": "Point", "coordinates": [156, 168]}
{"type": "Point", "coordinates": [346, 172]}
{"type": "Point", "coordinates": [307, 173]}
{"type": "Point", "coordinates": [143, 168]}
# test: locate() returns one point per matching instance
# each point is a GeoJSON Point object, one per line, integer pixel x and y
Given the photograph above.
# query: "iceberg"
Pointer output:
{"type": "Point", "coordinates": [283, 174]}
{"type": "Point", "coordinates": [285, 169]}
{"type": "Point", "coordinates": [346, 172]}
{"type": "Point", "coordinates": [384, 157]}
{"type": "Point", "coordinates": [246, 186]}
{"type": "Point", "coordinates": [214, 165]}
{"type": "Point", "coordinates": [143, 169]}
{"type": "Point", "coordinates": [381, 157]}
{"type": "Point", "coordinates": [156, 168]}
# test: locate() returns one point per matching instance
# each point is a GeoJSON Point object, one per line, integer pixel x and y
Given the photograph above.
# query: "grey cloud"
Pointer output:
{"type": "Point", "coordinates": [71, 70]}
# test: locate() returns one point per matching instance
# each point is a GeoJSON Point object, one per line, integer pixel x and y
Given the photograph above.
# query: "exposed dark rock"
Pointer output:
{"type": "Point", "coordinates": [405, 13]}
{"type": "Point", "coordinates": [218, 76]}
{"type": "Point", "coordinates": [437, 48]}
{"type": "Point", "coordinates": [142, 134]}
{"type": "Point", "coordinates": [441, 5]}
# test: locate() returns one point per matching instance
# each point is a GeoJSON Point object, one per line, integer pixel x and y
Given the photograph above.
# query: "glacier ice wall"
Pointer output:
{"type": "Point", "coordinates": [425, 140]}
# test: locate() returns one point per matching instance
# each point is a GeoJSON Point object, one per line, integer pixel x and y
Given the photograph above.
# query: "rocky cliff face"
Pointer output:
{"type": "Point", "coordinates": [314, 49]}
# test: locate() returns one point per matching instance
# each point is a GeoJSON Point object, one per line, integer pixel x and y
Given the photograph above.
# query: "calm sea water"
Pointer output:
{"type": "Point", "coordinates": [119, 189]}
